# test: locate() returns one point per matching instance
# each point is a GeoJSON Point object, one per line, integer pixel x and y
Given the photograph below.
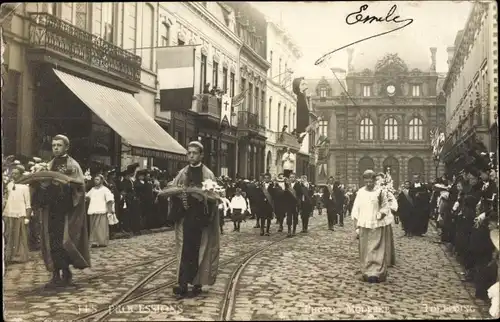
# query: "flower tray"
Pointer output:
{"type": "Point", "coordinates": [43, 176]}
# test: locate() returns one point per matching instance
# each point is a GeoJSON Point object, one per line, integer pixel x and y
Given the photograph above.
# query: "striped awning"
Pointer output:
{"type": "Point", "coordinates": [123, 113]}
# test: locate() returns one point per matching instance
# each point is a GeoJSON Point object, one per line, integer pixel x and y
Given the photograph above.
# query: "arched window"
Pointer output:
{"type": "Point", "coordinates": [148, 35]}
{"type": "Point", "coordinates": [366, 129]}
{"type": "Point", "coordinates": [416, 130]}
{"type": "Point", "coordinates": [391, 129]}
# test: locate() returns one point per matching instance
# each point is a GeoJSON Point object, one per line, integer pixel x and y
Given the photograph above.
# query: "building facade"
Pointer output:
{"type": "Point", "coordinates": [282, 54]}
{"type": "Point", "coordinates": [211, 25]}
{"type": "Point", "coordinates": [250, 27]}
{"type": "Point", "coordinates": [104, 45]}
{"type": "Point", "coordinates": [383, 121]}
{"type": "Point", "coordinates": [471, 86]}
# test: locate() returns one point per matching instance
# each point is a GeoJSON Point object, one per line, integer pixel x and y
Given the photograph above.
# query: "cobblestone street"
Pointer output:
{"type": "Point", "coordinates": [311, 276]}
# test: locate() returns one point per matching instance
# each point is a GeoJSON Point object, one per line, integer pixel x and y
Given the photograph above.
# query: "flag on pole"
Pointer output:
{"type": "Point", "coordinates": [323, 140]}
{"type": "Point", "coordinates": [176, 76]}
{"type": "Point", "coordinates": [238, 99]}
{"type": "Point", "coordinates": [225, 114]}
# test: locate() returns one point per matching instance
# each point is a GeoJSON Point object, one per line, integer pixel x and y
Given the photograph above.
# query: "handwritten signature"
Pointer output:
{"type": "Point", "coordinates": [357, 17]}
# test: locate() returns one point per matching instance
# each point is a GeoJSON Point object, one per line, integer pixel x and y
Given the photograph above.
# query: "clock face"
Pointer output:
{"type": "Point", "coordinates": [391, 90]}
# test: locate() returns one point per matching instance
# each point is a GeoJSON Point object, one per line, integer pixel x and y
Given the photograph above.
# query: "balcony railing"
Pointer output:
{"type": "Point", "coordinates": [51, 33]}
{"type": "Point", "coordinates": [285, 139]}
{"type": "Point", "coordinates": [248, 121]}
{"type": "Point", "coordinates": [207, 104]}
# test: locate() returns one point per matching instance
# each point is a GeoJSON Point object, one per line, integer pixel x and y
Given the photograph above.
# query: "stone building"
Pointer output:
{"type": "Point", "coordinates": [212, 26]}
{"type": "Point", "coordinates": [86, 70]}
{"type": "Point", "coordinates": [385, 119]}
{"type": "Point", "coordinates": [282, 54]}
{"type": "Point", "coordinates": [471, 86]}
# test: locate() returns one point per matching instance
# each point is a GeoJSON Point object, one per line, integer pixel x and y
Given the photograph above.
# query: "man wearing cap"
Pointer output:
{"type": "Point", "coordinates": [144, 191]}
{"type": "Point", "coordinates": [196, 228]}
{"type": "Point", "coordinates": [129, 203]}
{"type": "Point", "coordinates": [306, 203]}
{"type": "Point", "coordinates": [16, 217]}
{"type": "Point", "coordinates": [64, 222]}
{"type": "Point", "coordinates": [372, 221]}
{"type": "Point", "coordinates": [293, 194]}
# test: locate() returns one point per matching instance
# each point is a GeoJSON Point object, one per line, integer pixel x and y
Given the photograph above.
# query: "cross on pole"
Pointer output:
{"type": "Point", "coordinates": [226, 104]}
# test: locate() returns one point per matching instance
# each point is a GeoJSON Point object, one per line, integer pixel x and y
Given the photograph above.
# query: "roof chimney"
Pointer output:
{"type": "Point", "coordinates": [350, 67]}
{"type": "Point", "coordinates": [433, 59]}
{"type": "Point", "coordinates": [451, 53]}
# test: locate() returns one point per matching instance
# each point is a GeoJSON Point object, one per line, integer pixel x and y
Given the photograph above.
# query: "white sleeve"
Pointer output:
{"type": "Point", "coordinates": [292, 157]}
{"type": "Point", "coordinates": [285, 156]}
{"type": "Point", "coordinates": [89, 193]}
{"type": "Point", "coordinates": [355, 208]}
{"type": "Point", "coordinates": [108, 195]}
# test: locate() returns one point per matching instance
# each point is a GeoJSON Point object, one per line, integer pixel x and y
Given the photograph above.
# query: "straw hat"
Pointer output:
{"type": "Point", "coordinates": [494, 237]}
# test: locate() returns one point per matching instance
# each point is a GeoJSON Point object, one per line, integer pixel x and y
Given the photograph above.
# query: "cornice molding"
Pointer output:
{"type": "Point", "coordinates": [472, 26]}
{"type": "Point", "coordinates": [198, 8]}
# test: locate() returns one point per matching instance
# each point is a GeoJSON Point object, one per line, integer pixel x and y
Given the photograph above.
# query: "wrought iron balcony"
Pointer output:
{"type": "Point", "coordinates": [287, 140]}
{"type": "Point", "coordinates": [51, 33]}
{"type": "Point", "coordinates": [248, 121]}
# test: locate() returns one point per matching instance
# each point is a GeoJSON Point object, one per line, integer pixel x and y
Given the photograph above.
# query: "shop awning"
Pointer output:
{"type": "Point", "coordinates": [123, 113]}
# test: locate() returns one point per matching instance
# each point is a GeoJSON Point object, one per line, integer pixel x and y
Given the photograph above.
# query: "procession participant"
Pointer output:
{"type": "Point", "coordinates": [318, 197]}
{"type": "Point", "coordinates": [223, 209]}
{"type": "Point", "coordinates": [372, 217]}
{"type": "Point", "coordinates": [280, 200]}
{"type": "Point", "coordinates": [16, 216]}
{"type": "Point", "coordinates": [64, 222]}
{"type": "Point", "coordinates": [339, 204]}
{"type": "Point", "coordinates": [288, 160]}
{"type": "Point", "coordinates": [420, 195]}
{"type": "Point", "coordinates": [405, 208]}
{"type": "Point", "coordinates": [248, 212]}
{"type": "Point", "coordinates": [101, 203]}
{"type": "Point", "coordinates": [293, 195]}
{"type": "Point", "coordinates": [196, 230]}
{"type": "Point", "coordinates": [329, 202]}
{"type": "Point", "coordinates": [238, 206]}
{"type": "Point", "coordinates": [306, 203]}
{"type": "Point", "coordinates": [265, 204]}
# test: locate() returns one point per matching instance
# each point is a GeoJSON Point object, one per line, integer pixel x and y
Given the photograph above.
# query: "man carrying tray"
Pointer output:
{"type": "Point", "coordinates": [196, 227]}
{"type": "Point", "coordinates": [64, 236]}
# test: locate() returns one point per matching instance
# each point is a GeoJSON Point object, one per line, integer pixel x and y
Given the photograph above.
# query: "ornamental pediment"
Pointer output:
{"type": "Point", "coordinates": [391, 64]}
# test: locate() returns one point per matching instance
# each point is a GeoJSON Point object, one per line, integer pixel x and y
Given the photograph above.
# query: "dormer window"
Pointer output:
{"type": "Point", "coordinates": [415, 90]}
{"type": "Point", "coordinates": [367, 90]}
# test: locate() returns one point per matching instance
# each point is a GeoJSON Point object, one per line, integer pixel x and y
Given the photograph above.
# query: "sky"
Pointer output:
{"type": "Point", "coordinates": [320, 27]}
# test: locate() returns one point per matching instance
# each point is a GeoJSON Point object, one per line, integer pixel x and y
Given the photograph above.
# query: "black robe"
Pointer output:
{"type": "Point", "coordinates": [405, 210]}
{"type": "Point", "coordinates": [421, 199]}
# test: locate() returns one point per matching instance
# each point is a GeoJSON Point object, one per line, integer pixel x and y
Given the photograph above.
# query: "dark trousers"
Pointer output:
{"type": "Point", "coordinates": [60, 257]}
{"type": "Point", "coordinates": [340, 216]}
{"type": "Point", "coordinates": [280, 216]}
{"type": "Point", "coordinates": [265, 223]}
{"type": "Point", "coordinates": [34, 231]}
{"type": "Point", "coordinates": [292, 218]}
{"type": "Point", "coordinates": [332, 217]}
{"type": "Point", "coordinates": [190, 250]}
{"type": "Point", "coordinates": [305, 221]}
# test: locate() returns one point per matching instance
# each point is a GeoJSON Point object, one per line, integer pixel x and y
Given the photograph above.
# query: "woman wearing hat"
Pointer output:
{"type": "Point", "coordinates": [16, 213]}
